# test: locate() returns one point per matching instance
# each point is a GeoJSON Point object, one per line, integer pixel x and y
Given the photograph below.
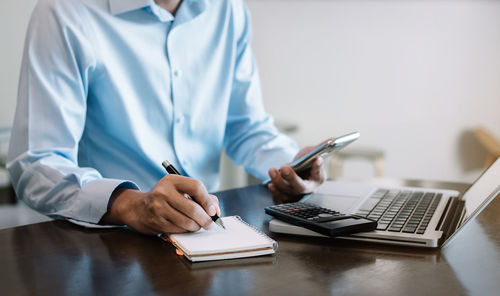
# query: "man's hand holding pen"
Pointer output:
{"type": "Point", "coordinates": [164, 209]}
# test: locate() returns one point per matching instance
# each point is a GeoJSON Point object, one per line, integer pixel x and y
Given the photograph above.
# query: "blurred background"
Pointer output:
{"type": "Point", "coordinates": [419, 79]}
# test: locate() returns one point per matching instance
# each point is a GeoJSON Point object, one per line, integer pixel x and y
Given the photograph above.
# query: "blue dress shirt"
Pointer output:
{"type": "Point", "coordinates": [111, 88]}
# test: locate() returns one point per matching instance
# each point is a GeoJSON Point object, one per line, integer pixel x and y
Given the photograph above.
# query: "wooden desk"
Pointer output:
{"type": "Point", "coordinates": [63, 259]}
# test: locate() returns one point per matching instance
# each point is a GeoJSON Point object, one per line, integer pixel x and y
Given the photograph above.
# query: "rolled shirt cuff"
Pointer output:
{"type": "Point", "coordinates": [93, 201]}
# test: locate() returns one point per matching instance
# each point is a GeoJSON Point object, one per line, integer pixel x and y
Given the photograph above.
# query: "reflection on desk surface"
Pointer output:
{"type": "Point", "coordinates": [239, 263]}
{"type": "Point", "coordinates": [475, 255]}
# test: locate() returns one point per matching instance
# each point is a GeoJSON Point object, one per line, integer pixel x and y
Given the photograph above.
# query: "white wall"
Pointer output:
{"type": "Point", "coordinates": [412, 76]}
{"type": "Point", "coordinates": [14, 18]}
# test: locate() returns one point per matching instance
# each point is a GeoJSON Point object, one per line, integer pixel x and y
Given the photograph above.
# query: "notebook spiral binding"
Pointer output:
{"type": "Point", "coordinates": [275, 243]}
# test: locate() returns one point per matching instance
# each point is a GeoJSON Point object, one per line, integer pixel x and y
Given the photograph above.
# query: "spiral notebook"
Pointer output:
{"type": "Point", "coordinates": [238, 240]}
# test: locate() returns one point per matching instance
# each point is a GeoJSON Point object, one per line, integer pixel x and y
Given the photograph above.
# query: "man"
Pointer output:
{"type": "Point", "coordinates": [111, 88]}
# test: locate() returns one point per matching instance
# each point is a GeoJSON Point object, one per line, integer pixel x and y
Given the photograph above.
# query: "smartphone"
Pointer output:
{"type": "Point", "coordinates": [323, 150]}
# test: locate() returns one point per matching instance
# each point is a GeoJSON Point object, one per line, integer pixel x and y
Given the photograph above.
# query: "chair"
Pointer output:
{"type": "Point", "coordinates": [490, 143]}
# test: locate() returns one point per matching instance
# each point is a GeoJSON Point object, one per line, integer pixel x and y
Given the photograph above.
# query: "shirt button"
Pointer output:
{"type": "Point", "coordinates": [180, 119]}
{"type": "Point", "coordinates": [177, 73]}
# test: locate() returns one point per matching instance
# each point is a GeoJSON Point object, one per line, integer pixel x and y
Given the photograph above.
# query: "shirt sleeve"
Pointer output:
{"type": "Point", "coordinates": [58, 62]}
{"type": "Point", "coordinates": [251, 138]}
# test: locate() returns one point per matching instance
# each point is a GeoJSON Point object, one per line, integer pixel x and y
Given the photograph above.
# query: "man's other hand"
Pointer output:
{"type": "Point", "coordinates": [164, 209]}
{"type": "Point", "coordinates": [287, 186]}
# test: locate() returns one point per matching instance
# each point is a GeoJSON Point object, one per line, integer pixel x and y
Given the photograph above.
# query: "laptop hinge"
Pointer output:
{"type": "Point", "coordinates": [453, 215]}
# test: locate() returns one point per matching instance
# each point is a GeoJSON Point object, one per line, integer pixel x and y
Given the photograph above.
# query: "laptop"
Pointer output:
{"type": "Point", "coordinates": [409, 216]}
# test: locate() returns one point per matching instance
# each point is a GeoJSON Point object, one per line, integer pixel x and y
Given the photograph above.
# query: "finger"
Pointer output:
{"type": "Point", "coordinates": [273, 174]}
{"type": "Point", "coordinates": [168, 203]}
{"type": "Point", "coordinates": [280, 197]}
{"type": "Point", "coordinates": [278, 182]}
{"type": "Point", "coordinates": [175, 212]}
{"type": "Point", "coordinates": [198, 192]}
{"type": "Point", "coordinates": [282, 189]}
{"type": "Point", "coordinates": [186, 211]}
{"type": "Point", "coordinates": [197, 209]}
{"type": "Point", "coordinates": [297, 184]}
{"type": "Point", "coordinates": [216, 201]}
{"type": "Point", "coordinates": [169, 227]}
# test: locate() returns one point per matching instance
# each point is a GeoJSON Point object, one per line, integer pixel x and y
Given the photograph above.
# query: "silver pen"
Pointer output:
{"type": "Point", "coordinates": [172, 170]}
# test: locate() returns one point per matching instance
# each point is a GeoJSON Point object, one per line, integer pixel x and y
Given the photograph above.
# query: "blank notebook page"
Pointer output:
{"type": "Point", "coordinates": [237, 236]}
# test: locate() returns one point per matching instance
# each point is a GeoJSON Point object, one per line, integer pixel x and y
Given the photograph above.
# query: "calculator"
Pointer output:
{"type": "Point", "coordinates": [319, 219]}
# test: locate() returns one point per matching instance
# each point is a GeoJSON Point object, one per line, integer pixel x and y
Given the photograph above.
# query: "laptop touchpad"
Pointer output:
{"type": "Point", "coordinates": [345, 197]}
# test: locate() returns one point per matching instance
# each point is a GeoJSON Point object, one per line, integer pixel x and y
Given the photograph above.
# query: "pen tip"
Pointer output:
{"type": "Point", "coordinates": [219, 222]}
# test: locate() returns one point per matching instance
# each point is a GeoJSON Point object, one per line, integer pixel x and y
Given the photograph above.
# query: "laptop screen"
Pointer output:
{"type": "Point", "coordinates": [479, 195]}
{"type": "Point", "coordinates": [484, 189]}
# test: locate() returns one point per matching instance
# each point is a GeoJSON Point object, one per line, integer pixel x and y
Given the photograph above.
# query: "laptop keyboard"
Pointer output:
{"type": "Point", "coordinates": [402, 210]}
